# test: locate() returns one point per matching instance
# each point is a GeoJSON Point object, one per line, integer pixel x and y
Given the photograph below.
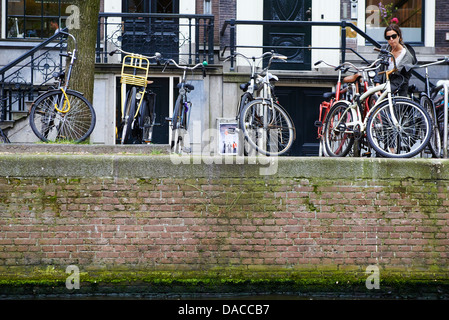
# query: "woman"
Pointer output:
{"type": "Point", "coordinates": [405, 60]}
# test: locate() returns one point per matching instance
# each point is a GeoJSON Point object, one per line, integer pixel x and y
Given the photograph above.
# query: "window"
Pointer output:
{"type": "Point", "coordinates": [207, 7]}
{"type": "Point", "coordinates": [35, 18]}
{"type": "Point", "coordinates": [408, 14]}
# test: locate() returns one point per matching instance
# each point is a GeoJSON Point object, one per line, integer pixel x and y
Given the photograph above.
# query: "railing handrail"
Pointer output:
{"type": "Point", "coordinates": [155, 15]}
{"type": "Point", "coordinates": [31, 52]}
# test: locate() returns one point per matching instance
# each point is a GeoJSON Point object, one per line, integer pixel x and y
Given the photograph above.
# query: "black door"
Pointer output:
{"type": "Point", "coordinates": [302, 103]}
{"type": "Point", "coordinates": [147, 35]}
{"type": "Point", "coordinates": [290, 40]}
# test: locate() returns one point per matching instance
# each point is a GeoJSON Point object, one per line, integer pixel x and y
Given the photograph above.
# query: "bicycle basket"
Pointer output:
{"type": "Point", "coordinates": [135, 70]}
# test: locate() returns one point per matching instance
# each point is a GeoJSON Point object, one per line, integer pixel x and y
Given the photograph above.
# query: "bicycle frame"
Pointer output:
{"type": "Point", "coordinates": [355, 107]}
{"type": "Point", "coordinates": [183, 85]}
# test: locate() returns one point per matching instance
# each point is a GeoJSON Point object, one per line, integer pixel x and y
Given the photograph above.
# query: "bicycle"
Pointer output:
{"type": "Point", "coordinates": [138, 115]}
{"type": "Point", "coordinates": [395, 127]}
{"type": "Point", "coordinates": [331, 97]}
{"type": "Point", "coordinates": [63, 114]}
{"type": "Point", "coordinates": [265, 124]}
{"type": "Point", "coordinates": [183, 106]}
{"type": "Point", "coordinates": [428, 104]}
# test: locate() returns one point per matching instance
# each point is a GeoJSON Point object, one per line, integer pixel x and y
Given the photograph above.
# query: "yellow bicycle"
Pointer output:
{"type": "Point", "coordinates": [137, 103]}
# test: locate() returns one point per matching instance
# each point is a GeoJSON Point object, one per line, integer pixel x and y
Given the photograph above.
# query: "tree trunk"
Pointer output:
{"type": "Point", "coordinates": [85, 32]}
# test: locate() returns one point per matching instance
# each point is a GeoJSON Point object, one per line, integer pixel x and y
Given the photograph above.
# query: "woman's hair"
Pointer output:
{"type": "Point", "coordinates": [394, 27]}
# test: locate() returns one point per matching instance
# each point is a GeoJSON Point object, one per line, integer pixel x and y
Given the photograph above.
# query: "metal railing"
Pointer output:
{"type": "Point", "coordinates": [343, 48]}
{"type": "Point", "coordinates": [186, 38]}
{"type": "Point", "coordinates": [21, 78]}
{"type": "Point", "coordinates": [294, 24]}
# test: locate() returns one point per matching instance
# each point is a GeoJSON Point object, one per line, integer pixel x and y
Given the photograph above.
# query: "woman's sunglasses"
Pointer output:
{"type": "Point", "coordinates": [394, 36]}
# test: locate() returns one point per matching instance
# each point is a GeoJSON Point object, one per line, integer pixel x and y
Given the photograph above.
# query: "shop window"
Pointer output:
{"type": "Point", "coordinates": [35, 18]}
{"type": "Point", "coordinates": [408, 14]}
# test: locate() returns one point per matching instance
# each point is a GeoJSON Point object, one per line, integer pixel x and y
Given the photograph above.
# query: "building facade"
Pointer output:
{"type": "Point", "coordinates": [24, 23]}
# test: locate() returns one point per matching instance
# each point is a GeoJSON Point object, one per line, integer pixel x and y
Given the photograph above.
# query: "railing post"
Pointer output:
{"type": "Point", "coordinates": [98, 52]}
{"type": "Point", "coordinates": [211, 25]}
{"type": "Point", "coordinates": [197, 41]}
{"type": "Point", "coordinates": [232, 40]}
{"type": "Point", "coordinates": [343, 41]}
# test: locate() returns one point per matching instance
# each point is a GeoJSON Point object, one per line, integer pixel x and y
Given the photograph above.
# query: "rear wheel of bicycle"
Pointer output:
{"type": "Point", "coordinates": [267, 127]}
{"type": "Point", "coordinates": [435, 138]}
{"type": "Point", "coordinates": [404, 140]}
{"type": "Point", "coordinates": [179, 126]}
{"type": "Point", "coordinates": [73, 123]}
{"type": "Point", "coordinates": [338, 137]}
{"type": "Point", "coordinates": [148, 117]}
{"type": "Point", "coordinates": [128, 115]}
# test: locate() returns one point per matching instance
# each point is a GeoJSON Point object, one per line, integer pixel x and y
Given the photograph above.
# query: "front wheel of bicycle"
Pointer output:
{"type": "Point", "coordinates": [338, 133]}
{"type": "Point", "coordinates": [179, 126]}
{"type": "Point", "coordinates": [405, 139]}
{"type": "Point", "coordinates": [55, 117]}
{"type": "Point", "coordinates": [267, 127]}
{"type": "Point", "coordinates": [128, 115]}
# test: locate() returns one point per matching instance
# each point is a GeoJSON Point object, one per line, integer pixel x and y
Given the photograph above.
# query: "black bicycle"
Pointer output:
{"type": "Point", "coordinates": [181, 112]}
{"type": "Point", "coordinates": [427, 102]}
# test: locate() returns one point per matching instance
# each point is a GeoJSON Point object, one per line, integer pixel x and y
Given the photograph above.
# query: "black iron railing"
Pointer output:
{"type": "Point", "coordinates": [292, 24]}
{"type": "Point", "coordinates": [21, 78]}
{"type": "Point", "coordinates": [186, 38]}
{"type": "Point", "coordinates": [232, 24]}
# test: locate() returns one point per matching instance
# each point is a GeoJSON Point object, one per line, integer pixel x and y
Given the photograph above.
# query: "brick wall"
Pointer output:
{"type": "Point", "coordinates": [441, 27]}
{"type": "Point", "coordinates": [312, 218]}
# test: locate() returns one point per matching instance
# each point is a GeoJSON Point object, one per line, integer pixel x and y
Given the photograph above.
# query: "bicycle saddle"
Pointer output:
{"type": "Point", "coordinates": [353, 78]}
{"type": "Point", "coordinates": [59, 74]}
{"type": "Point", "coordinates": [329, 95]}
{"type": "Point", "coordinates": [244, 86]}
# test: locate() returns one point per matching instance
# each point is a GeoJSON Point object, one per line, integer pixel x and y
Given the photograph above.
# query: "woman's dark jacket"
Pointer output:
{"type": "Point", "coordinates": [399, 80]}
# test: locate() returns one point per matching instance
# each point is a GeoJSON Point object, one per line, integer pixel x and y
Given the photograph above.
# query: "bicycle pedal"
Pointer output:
{"type": "Point", "coordinates": [366, 154]}
{"type": "Point", "coordinates": [318, 124]}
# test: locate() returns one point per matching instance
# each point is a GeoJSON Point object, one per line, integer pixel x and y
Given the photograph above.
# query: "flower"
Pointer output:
{"type": "Point", "coordinates": [387, 12]}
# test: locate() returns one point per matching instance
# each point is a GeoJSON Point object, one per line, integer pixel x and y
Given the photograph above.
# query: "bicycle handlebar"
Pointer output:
{"type": "Point", "coordinates": [445, 59]}
{"type": "Point", "coordinates": [156, 56]}
{"type": "Point", "coordinates": [346, 66]}
{"type": "Point", "coordinates": [272, 53]}
{"type": "Point", "coordinates": [202, 64]}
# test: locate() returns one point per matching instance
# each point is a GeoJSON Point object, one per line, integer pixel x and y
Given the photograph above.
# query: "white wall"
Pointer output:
{"type": "Point", "coordinates": [249, 35]}
{"type": "Point", "coordinates": [322, 10]}
{"type": "Point", "coordinates": [326, 10]}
